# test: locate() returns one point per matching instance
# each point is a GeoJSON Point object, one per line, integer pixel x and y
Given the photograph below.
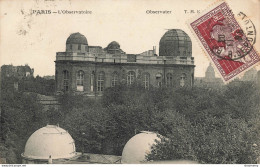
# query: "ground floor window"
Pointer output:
{"type": "Point", "coordinates": [182, 80]}
{"type": "Point", "coordinates": [65, 80]}
{"type": "Point", "coordinates": [146, 80]}
{"type": "Point", "coordinates": [100, 82]}
{"type": "Point", "coordinates": [159, 79]}
{"type": "Point", "coordinates": [80, 79]}
{"type": "Point", "coordinates": [114, 81]}
{"type": "Point", "coordinates": [169, 80]}
{"type": "Point", "coordinates": [130, 77]}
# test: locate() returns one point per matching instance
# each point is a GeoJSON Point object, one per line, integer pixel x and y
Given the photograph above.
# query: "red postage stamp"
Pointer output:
{"type": "Point", "coordinates": [227, 45]}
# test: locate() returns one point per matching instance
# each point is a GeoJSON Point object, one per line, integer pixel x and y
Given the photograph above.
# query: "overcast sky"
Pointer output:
{"type": "Point", "coordinates": [35, 39]}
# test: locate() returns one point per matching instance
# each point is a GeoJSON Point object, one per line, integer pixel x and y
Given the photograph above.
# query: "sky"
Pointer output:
{"type": "Point", "coordinates": [27, 38]}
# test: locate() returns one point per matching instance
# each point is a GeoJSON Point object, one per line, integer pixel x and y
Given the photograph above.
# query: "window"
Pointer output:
{"type": "Point", "coordinates": [92, 82]}
{"type": "Point", "coordinates": [182, 81]}
{"type": "Point", "coordinates": [80, 78]}
{"type": "Point", "coordinates": [159, 79]}
{"type": "Point", "coordinates": [100, 82]}
{"type": "Point", "coordinates": [65, 80]}
{"type": "Point", "coordinates": [169, 80]}
{"type": "Point", "coordinates": [79, 47]}
{"type": "Point", "coordinates": [70, 46]}
{"type": "Point", "coordinates": [130, 77]}
{"type": "Point", "coordinates": [146, 80]}
{"type": "Point", "coordinates": [114, 81]}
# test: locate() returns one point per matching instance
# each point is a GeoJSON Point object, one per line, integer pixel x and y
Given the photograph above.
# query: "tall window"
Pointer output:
{"type": "Point", "coordinates": [79, 47]}
{"type": "Point", "coordinates": [100, 82]}
{"type": "Point", "coordinates": [159, 79]}
{"type": "Point", "coordinates": [65, 80]}
{"type": "Point", "coordinates": [169, 80]}
{"type": "Point", "coordinates": [182, 80]}
{"type": "Point", "coordinates": [92, 82]}
{"type": "Point", "coordinates": [114, 81]}
{"type": "Point", "coordinates": [80, 78]}
{"type": "Point", "coordinates": [146, 80]}
{"type": "Point", "coordinates": [130, 77]}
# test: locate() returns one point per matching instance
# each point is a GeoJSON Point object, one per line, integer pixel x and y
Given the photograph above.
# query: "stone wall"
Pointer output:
{"type": "Point", "coordinates": [92, 68]}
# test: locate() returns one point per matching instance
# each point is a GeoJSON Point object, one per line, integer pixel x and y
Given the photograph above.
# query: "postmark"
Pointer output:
{"type": "Point", "coordinates": [228, 46]}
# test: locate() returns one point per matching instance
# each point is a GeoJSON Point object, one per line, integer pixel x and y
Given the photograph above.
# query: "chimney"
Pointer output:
{"type": "Point", "coordinates": [154, 50]}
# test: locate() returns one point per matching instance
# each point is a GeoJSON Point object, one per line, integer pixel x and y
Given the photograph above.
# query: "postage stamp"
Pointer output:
{"type": "Point", "coordinates": [228, 46]}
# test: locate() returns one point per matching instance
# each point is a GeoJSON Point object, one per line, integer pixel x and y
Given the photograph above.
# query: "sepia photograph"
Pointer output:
{"type": "Point", "coordinates": [129, 82]}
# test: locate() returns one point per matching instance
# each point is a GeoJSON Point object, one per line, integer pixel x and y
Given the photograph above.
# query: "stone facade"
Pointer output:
{"type": "Point", "coordinates": [83, 69]}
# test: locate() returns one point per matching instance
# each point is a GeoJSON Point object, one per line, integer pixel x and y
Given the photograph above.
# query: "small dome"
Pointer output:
{"type": "Point", "coordinates": [51, 141]}
{"type": "Point", "coordinates": [138, 147]}
{"type": "Point", "coordinates": [175, 42]}
{"type": "Point", "coordinates": [113, 45]}
{"type": "Point", "coordinates": [77, 38]}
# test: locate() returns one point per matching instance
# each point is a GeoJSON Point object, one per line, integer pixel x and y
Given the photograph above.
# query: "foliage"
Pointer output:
{"type": "Point", "coordinates": [37, 85]}
{"type": "Point", "coordinates": [205, 125]}
{"type": "Point", "coordinates": [219, 126]}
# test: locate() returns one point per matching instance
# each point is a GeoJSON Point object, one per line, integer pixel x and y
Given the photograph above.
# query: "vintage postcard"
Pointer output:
{"type": "Point", "coordinates": [129, 82]}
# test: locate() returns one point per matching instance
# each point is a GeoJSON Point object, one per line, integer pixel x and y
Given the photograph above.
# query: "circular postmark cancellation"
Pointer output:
{"type": "Point", "coordinates": [233, 42]}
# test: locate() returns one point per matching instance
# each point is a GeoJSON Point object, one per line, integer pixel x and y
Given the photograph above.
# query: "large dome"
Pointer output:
{"type": "Point", "coordinates": [175, 42]}
{"type": "Point", "coordinates": [77, 38]}
{"type": "Point", "coordinates": [48, 141]}
{"type": "Point", "coordinates": [138, 147]}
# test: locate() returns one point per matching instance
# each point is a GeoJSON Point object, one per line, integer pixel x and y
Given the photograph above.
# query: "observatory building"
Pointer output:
{"type": "Point", "coordinates": [52, 144]}
{"type": "Point", "coordinates": [86, 69]}
{"type": "Point", "coordinates": [48, 143]}
{"type": "Point", "coordinates": [138, 147]}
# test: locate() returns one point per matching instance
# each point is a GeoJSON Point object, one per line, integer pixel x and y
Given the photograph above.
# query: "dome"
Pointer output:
{"type": "Point", "coordinates": [210, 68]}
{"type": "Point", "coordinates": [48, 141]}
{"type": "Point", "coordinates": [138, 147]}
{"type": "Point", "coordinates": [77, 38]}
{"type": "Point", "coordinates": [113, 46]}
{"type": "Point", "coordinates": [210, 73]}
{"type": "Point", "coordinates": [175, 42]}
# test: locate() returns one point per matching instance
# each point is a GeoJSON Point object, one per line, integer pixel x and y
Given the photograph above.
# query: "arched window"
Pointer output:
{"type": "Point", "coordinates": [169, 80]}
{"type": "Point", "coordinates": [65, 80]}
{"type": "Point", "coordinates": [146, 80]}
{"type": "Point", "coordinates": [114, 80]}
{"type": "Point", "coordinates": [182, 80]}
{"type": "Point", "coordinates": [80, 79]}
{"type": "Point", "coordinates": [130, 77]}
{"type": "Point", "coordinates": [100, 82]}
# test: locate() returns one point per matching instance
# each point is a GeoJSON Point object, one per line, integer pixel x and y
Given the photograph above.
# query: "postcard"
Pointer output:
{"type": "Point", "coordinates": [129, 82]}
